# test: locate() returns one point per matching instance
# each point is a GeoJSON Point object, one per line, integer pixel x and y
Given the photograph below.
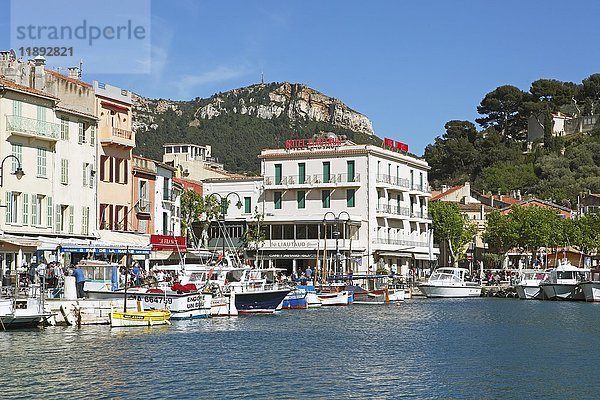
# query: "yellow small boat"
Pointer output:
{"type": "Point", "coordinates": [140, 318]}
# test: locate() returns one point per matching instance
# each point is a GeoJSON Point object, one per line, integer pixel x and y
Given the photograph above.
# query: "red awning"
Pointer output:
{"type": "Point", "coordinates": [115, 106]}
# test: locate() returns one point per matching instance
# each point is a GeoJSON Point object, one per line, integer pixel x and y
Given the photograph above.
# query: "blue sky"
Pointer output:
{"type": "Point", "coordinates": [409, 66]}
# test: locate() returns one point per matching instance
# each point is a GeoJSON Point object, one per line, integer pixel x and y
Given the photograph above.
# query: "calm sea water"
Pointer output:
{"type": "Point", "coordinates": [462, 349]}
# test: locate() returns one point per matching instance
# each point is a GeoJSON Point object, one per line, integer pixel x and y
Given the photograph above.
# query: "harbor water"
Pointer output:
{"type": "Point", "coordinates": [482, 348]}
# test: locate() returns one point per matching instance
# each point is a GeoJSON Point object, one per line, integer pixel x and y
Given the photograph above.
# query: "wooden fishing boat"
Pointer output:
{"type": "Point", "coordinates": [139, 318]}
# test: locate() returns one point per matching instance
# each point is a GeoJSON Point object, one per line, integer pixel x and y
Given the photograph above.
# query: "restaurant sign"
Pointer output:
{"type": "Point", "coordinates": [172, 243]}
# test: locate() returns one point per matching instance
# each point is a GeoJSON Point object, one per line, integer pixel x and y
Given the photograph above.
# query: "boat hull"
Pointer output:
{"type": "Point", "coordinates": [296, 300]}
{"type": "Point", "coordinates": [591, 291]}
{"type": "Point", "coordinates": [529, 292]}
{"type": "Point", "coordinates": [374, 297]}
{"type": "Point", "coordinates": [334, 298]}
{"type": "Point", "coordinates": [119, 319]}
{"type": "Point", "coordinates": [189, 305]}
{"type": "Point", "coordinates": [440, 291]}
{"type": "Point", "coordinates": [260, 301]}
{"type": "Point", "coordinates": [28, 314]}
{"type": "Point", "coordinates": [563, 291]}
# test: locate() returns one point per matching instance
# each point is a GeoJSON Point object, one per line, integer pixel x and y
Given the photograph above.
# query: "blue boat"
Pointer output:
{"type": "Point", "coordinates": [296, 300]}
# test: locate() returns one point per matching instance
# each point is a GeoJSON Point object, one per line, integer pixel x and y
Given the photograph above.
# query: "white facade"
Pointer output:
{"type": "Point", "coordinates": [57, 195]}
{"type": "Point", "coordinates": [167, 203]}
{"type": "Point", "coordinates": [376, 198]}
{"type": "Point", "coordinates": [193, 161]}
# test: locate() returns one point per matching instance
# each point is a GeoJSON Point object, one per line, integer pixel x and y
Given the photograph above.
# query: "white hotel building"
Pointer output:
{"type": "Point", "coordinates": [378, 199]}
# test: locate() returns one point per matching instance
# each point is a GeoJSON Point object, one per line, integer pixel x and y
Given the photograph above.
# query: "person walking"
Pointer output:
{"type": "Point", "coordinates": [79, 281]}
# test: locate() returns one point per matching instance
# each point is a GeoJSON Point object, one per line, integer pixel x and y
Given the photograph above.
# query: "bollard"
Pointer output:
{"type": "Point", "coordinates": [70, 289]}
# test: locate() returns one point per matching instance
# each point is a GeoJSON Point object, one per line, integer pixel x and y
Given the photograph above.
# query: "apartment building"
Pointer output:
{"type": "Point", "coordinates": [116, 143]}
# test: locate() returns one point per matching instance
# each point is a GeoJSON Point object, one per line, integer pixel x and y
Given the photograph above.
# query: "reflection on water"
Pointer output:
{"type": "Point", "coordinates": [472, 348]}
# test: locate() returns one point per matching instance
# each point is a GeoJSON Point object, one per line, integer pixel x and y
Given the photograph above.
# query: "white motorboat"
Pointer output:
{"type": "Point", "coordinates": [25, 312]}
{"type": "Point", "coordinates": [563, 282]}
{"type": "Point", "coordinates": [450, 282]}
{"type": "Point", "coordinates": [529, 285]}
{"type": "Point", "coordinates": [591, 288]}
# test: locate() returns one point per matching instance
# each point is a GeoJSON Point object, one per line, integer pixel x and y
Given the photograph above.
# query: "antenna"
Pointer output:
{"type": "Point", "coordinates": [80, 68]}
{"type": "Point", "coordinates": [262, 78]}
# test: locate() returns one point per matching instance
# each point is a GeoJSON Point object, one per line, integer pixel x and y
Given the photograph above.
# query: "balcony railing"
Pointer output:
{"type": "Point", "coordinates": [121, 133]}
{"type": "Point", "coordinates": [143, 206]}
{"type": "Point", "coordinates": [32, 127]}
{"type": "Point", "coordinates": [393, 180]}
{"type": "Point", "coordinates": [401, 242]}
{"type": "Point", "coordinates": [312, 179]}
{"type": "Point", "coordinates": [387, 209]}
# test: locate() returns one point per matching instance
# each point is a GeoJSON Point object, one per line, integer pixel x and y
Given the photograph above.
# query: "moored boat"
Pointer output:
{"type": "Point", "coordinates": [295, 300]}
{"type": "Point", "coordinates": [591, 288]}
{"type": "Point", "coordinates": [22, 312]}
{"type": "Point", "coordinates": [334, 298]}
{"type": "Point", "coordinates": [563, 282]}
{"type": "Point", "coordinates": [448, 282]}
{"type": "Point", "coordinates": [529, 285]}
{"type": "Point", "coordinates": [120, 319]}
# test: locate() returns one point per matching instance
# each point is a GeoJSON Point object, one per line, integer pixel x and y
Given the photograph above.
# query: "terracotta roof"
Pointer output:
{"type": "Point", "coordinates": [540, 201]}
{"type": "Point", "coordinates": [21, 88]}
{"type": "Point", "coordinates": [69, 79]}
{"type": "Point", "coordinates": [443, 194]}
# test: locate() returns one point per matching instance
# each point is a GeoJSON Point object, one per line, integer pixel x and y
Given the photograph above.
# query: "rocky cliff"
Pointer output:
{"type": "Point", "coordinates": [286, 109]}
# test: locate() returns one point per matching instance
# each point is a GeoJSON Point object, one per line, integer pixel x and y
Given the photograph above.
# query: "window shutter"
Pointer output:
{"type": "Point", "coordinates": [57, 218]}
{"type": "Point", "coordinates": [71, 219]}
{"type": "Point", "coordinates": [34, 210]}
{"type": "Point", "coordinates": [50, 211]}
{"type": "Point", "coordinates": [25, 209]}
{"type": "Point", "coordinates": [8, 207]}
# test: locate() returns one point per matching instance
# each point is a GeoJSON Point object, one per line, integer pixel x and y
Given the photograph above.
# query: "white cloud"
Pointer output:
{"type": "Point", "coordinates": [185, 84]}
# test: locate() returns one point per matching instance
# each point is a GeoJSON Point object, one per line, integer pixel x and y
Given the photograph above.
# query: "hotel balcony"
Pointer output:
{"type": "Point", "coordinates": [392, 181]}
{"type": "Point", "coordinates": [110, 135]}
{"type": "Point", "coordinates": [400, 242]}
{"type": "Point", "coordinates": [310, 181]}
{"type": "Point", "coordinates": [32, 128]}
{"type": "Point", "coordinates": [420, 188]}
{"type": "Point", "coordinates": [393, 210]}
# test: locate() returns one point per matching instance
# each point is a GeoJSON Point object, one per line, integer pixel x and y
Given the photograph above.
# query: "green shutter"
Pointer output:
{"type": "Point", "coordinates": [350, 197]}
{"type": "Point", "coordinates": [277, 199]}
{"type": "Point", "coordinates": [301, 199]}
{"type": "Point", "coordinates": [301, 173]}
{"type": "Point", "coordinates": [326, 172]}
{"type": "Point", "coordinates": [278, 174]}
{"type": "Point", "coordinates": [350, 170]}
{"type": "Point", "coordinates": [247, 205]}
{"type": "Point", "coordinates": [325, 198]}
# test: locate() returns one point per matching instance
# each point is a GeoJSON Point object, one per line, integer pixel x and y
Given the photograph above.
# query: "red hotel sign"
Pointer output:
{"type": "Point", "coordinates": [391, 144]}
{"type": "Point", "coordinates": [173, 243]}
{"type": "Point", "coordinates": [312, 143]}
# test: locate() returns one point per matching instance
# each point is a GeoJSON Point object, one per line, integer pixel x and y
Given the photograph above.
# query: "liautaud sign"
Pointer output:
{"type": "Point", "coordinates": [292, 244]}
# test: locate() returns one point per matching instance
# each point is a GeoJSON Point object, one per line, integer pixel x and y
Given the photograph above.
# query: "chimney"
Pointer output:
{"type": "Point", "coordinates": [444, 188]}
{"type": "Point", "coordinates": [38, 80]}
{"type": "Point", "coordinates": [73, 72]}
{"type": "Point", "coordinates": [519, 194]}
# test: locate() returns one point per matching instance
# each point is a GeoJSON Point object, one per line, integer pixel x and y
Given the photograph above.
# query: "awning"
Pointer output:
{"type": "Point", "coordinates": [424, 257]}
{"type": "Point", "coordinates": [395, 254]}
{"type": "Point", "coordinates": [111, 243]}
{"type": "Point", "coordinates": [19, 241]}
{"type": "Point", "coordinates": [115, 106]}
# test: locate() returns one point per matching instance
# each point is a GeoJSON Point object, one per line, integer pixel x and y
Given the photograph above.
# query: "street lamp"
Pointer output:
{"type": "Point", "coordinates": [18, 172]}
{"type": "Point", "coordinates": [224, 205]}
{"type": "Point", "coordinates": [336, 233]}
